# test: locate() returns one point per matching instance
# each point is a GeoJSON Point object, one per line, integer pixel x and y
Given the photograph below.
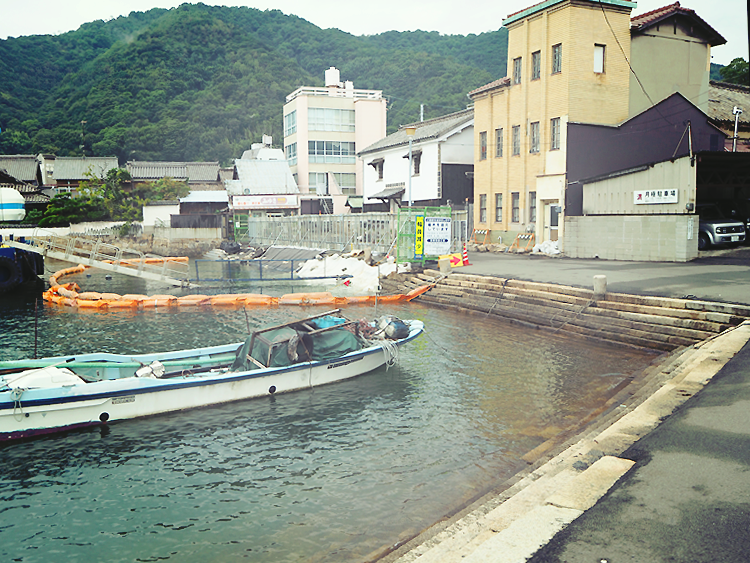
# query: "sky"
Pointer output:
{"type": "Point", "coordinates": [52, 17]}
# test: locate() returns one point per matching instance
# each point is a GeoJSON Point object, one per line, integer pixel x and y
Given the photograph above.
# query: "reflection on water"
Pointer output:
{"type": "Point", "coordinates": [331, 474]}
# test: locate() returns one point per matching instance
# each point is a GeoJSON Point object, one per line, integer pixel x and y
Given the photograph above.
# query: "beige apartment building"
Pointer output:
{"type": "Point", "coordinates": [323, 130]}
{"type": "Point", "coordinates": [565, 63]}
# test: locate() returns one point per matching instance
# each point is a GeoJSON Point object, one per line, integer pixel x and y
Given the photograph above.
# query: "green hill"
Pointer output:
{"type": "Point", "coordinates": [202, 83]}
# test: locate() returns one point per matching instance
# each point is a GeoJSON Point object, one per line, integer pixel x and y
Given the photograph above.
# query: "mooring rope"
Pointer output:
{"type": "Point", "coordinates": [586, 306]}
{"type": "Point", "coordinates": [390, 349]}
{"type": "Point", "coordinates": [15, 396]}
{"type": "Point", "coordinates": [502, 291]}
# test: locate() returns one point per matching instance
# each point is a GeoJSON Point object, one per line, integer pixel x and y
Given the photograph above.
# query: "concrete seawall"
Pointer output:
{"type": "Point", "coordinates": [568, 474]}
{"type": "Point", "coordinates": [655, 323]}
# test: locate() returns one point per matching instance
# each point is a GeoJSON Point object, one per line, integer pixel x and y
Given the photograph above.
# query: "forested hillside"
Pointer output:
{"type": "Point", "coordinates": [203, 83]}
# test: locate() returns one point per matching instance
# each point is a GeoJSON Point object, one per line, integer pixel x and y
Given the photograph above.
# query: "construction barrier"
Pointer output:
{"type": "Point", "coordinates": [68, 295]}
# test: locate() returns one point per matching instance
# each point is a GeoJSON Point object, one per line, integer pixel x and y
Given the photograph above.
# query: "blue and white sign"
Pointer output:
{"type": "Point", "coordinates": [437, 236]}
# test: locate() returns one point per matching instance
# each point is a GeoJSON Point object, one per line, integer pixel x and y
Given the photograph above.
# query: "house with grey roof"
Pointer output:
{"type": "Point", "coordinates": [723, 98]}
{"type": "Point", "coordinates": [22, 168]}
{"type": "Point", "coordinates": [263, 184]}
{"type": "Point", "coordinates": [23, 173]}
{"type": "Point", "coordinates": [200, 176]}
{"type": "Point", "coordinates": [442, 162]}
{"type": "Point", "coordinates": [69, 171]}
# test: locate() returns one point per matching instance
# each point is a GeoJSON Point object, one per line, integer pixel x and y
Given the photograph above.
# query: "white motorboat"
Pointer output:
{"type": "Point", "coordinates": [42, 396]}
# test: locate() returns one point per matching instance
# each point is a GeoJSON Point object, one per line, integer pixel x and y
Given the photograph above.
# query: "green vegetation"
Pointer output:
{"type": "Point", "coordinates": [736, 72]}
{"type": "Point", "coordinates": [112, 198]}
{"type": "Point", "coordinates": [202, 83]}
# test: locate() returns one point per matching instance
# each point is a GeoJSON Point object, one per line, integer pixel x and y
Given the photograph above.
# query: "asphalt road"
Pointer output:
{"type": "Point", "coordinates": [687, 498]}
{"type": "Point", "coordinates": [718, 275]}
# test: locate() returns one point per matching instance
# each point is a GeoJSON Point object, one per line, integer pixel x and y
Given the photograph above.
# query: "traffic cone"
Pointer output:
{"type": "Point", "coordinates": [466, 257]}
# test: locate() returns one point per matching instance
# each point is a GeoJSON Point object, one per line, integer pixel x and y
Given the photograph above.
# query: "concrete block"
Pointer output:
{"type": "Point", "coordinates": [592, 484]}
{"type": "Point", "coordinates": [518, 542]}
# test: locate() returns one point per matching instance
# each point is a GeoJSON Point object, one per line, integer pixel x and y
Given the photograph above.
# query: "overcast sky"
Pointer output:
{"type": "Point", "coordinates": [39, 17]}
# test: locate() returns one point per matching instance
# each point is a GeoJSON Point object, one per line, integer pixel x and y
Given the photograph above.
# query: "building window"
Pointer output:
{"type": "Point", "coordinates": [290, 123]}
{"type": "Point", "coordinates": [483, 208]}
{"type": "Point", "coordinates": [499, 208]}
{"type": "Point", "coordinates": [515, 207]}
{"type": "Point", "coordinates": [330, 119]}
{"type": "Point", "coordinates": [290, 152]}
{"type": "Point", "coordinates": [318, 182]}
{"type": "Point", "coordinates": [532, 207]}
{"type": "Point", "coordinates": [599, 56]}
{"type": "Point", "coordinates": [331, 152]}
{"type": "Point", "coordinates": [516, 131]}
{"type": "Point", "coordinates": [517, 70]}
{"type": "Point", "coordinates": [536, 65]}
{"type": "Point", "coordinates": [499, 142]}
{"type": "Point", "coordinates": [347, 182]}
{"type": "Point", "coordinates": [416, 159]}
{"type": "Point", "coordinates": [554, 127]}
{"type": "Point", "coordinates": [556, 58]}
{"type": "Point", "coordinates": [534, 148]}
{"type": "Point", "coordinates": [483, 145]}
{"type": "Point", "coordinates": [377, 164]}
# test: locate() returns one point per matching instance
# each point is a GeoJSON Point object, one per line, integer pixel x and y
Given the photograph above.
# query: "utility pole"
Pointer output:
{"type": "Point", "coordinates": [736, 111]}
{"type": "Point", "coordinates": [83, 137]}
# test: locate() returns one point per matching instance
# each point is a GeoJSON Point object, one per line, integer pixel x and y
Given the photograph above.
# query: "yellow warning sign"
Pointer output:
{"type": "Point", "coordinates": [454, 258]}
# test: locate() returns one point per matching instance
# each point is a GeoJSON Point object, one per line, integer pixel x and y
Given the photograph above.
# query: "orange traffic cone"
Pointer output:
{"type": "Point", "coordinates": [466, 257]}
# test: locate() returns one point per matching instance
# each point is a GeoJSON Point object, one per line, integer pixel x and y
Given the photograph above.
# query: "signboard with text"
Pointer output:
{"type": "Point", "coordinates": [419, 237]}
{"type": "Point", "coordinates": [437, 236]}
{"type": "Point", "coordinates": [646, 197]}
{"type": "Point", "coordinates": [264, 201]}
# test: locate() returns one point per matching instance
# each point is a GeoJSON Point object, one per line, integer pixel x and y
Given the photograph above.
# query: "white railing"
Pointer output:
{"type": "Point", "coordinates": [376, 231]}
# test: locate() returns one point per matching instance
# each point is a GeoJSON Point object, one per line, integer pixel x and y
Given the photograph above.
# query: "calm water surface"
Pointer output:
{"type": "Point", "coordinates": [336, 473]}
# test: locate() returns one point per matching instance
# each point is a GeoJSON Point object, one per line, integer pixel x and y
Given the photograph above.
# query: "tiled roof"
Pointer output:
{"type": "Point", "coordinates": [425, 130]}
{"type": "Point", "coordinates": [262, 177]}
{"type": "Point", "coordinates": [30, 193]}
{"type": "Point", "coordinates": [185, 171]}
{"type": "Point", "coordinates": [22, 167]}
{"type": "Point", "coordinates": [491, 86]}
{"type": "Point", "coordinates": [649, 19]}
{"type": "Point", "coordinates": [202, 171]}
{"type": "Point", "coordinates": [723, 97]}
{"type": "Point", "coordinates": [76, 168]}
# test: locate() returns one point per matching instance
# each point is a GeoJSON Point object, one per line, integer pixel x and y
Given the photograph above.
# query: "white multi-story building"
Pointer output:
{"type": "Point", "coordinates": [323, 129]}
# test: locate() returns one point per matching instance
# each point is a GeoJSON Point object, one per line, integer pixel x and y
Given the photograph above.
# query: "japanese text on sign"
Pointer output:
{"type": "Point", "coordinates": [654, 196]}
{"type": "Point", "coordinates": [419, 237]}
{"type": "Point", "coordinates": [437, 236]}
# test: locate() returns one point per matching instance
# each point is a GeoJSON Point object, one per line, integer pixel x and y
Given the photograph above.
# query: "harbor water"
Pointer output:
{"type": "Point", "coordinates": [336, 473]}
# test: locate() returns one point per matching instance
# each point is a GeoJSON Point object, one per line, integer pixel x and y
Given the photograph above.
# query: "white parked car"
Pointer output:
{"type": "Point", "coordinates": [715, 229]}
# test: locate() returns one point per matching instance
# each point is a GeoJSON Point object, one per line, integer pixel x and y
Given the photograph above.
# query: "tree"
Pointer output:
{"type": "Point", "coordinates": [64, 210]}
{"type": "Point", "coordinates": [736, 72]}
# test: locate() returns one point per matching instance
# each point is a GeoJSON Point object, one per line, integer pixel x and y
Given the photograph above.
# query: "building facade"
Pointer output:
{"type": "Point", "coordinates": [671, 52]}
{"type": "Point", "coordinates": [442, 160]}
{"type": "Point", "coordinates": [323, 129]}
{"type": "Point", "coordinates": [564, 64]}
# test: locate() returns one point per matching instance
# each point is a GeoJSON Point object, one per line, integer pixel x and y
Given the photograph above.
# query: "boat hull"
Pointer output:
{"type": "Point", "coordinates": [32, 412]}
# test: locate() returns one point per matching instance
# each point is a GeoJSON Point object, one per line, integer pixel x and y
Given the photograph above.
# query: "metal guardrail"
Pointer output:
{"type": "Point", "coordinates": [109, 257]}
{"type": "Point", "coordinates": [377, 231]}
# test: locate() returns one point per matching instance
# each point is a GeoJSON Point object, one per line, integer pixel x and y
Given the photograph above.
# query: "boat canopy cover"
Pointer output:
{"type": "Point", "coordinates": [286, 346]}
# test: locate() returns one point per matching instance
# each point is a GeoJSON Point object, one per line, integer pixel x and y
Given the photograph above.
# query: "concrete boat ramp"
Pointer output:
{"type": "Point", "coordinates": [658, 474]}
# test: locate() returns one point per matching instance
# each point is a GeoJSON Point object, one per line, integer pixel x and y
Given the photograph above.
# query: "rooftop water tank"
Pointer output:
{"type": "Point", "coordinates": [333, 78]}
{"type": "Point", "coordinates": [11, 205]}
